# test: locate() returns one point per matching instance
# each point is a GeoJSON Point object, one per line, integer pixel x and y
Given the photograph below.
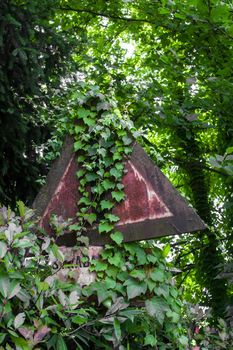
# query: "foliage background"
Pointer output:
{"type": "Point", "coordinates": [169, 66]}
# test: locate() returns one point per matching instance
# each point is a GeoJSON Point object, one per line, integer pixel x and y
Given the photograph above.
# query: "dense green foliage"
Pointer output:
{"type": "Point", "coordinates": [32, 51]}
{"type": "Point", "coordinates": [175, 82]}
{"type": "Point", "coordinates": [134, 307]}
{"type": "Point", "coordinates": [168, 64]}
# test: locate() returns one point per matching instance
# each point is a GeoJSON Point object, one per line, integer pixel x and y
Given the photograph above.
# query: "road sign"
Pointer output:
{"type": "Point", "coordinates": [152, 206]}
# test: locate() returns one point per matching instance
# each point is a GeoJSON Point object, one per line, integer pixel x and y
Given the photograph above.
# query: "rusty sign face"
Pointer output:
{"type": "Point", "coordinates": [152, 206]}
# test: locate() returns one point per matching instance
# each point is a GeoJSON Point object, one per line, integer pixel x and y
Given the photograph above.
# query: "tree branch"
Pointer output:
{"type": "Point", "coordinates": [111, 16]}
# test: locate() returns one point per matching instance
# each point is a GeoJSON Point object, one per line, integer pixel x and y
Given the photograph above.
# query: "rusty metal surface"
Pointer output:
{"type": "Point", "coordinates": [152, 206]}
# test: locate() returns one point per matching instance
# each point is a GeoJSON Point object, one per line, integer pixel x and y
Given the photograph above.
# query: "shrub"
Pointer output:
{"type": "Point", "coordinates": [132, 304]}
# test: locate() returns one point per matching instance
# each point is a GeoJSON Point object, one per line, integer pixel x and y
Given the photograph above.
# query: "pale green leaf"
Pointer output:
{"type": "Point", "coordinates": [19, 320]}
{"type": "Point", "coordinates": [3, 249]}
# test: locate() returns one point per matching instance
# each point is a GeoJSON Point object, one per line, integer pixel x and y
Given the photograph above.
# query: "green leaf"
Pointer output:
{"type": "Point", "coordinates": [105, 227]}
{"type": "Point", "coordinates": [157, 307]}
{"type": "Point", "coordinates": [127, 140]}
{"type": "Point", "coordinates": [162, 290]}
{"type": "Point", "coordinates": [61, 345]}
{"type": "Point", "coordinates": [173, 316]}
{"type": "Point", "coordinates": [102, 292]}
{"type": "Point", "coordinates": [107, 184]}
{"type": "Point", "coordinates": [151, 258]}
{"type": "Point", "coordinates": [90, 218]}
{"type": "Point", "coordinates": [2, 337]}
{"type": "Point", "coordinates": [166, 250]}
{"type": "Point", "coordinates": [79, 319]}
{"type": "Point", "coordinates": [4, 285]}
{"type": "Point", "coordinates": [14, 289]}
{"type": "Point", "coordinates": [80, 173]}
{"type": "Point", "coordinates": [150, 340]}
{"type": "Point", "coordinates": [21, 344]}
{"type": "Point", "coordinates": [117, 328]}
{"type": "Point", "coordinates": [83, 113]}
{"type": "Point", "coordinates": [79, 129]}
{"type": "Point", "coordinates": [57, 253]}
{"type": "Point", "coordinates": [229, 150]}
{"type": "Point", "coordinates": [141, 255]}
{"type": "Point", "coordinates": [157, 275]}
{"type": "Point", "coordinates": [78, 145]}
{"type": "Point", "coordinates": [92, 177]}
{"type": "Point", "coordinates": [116, 173]}
{"type": "Point", "coordinates": [19, 320]}
{"type": "Point", "coordinates": [100, 266]}
{"type": "Point", "coordinates": [183, 340]}
{"type": "Point", "coordinates": [118, 196]}
{"type": "Point", "coordinates": [110, 283]}
{"type": "Point", "coordinates": [3, 249]}
{"type": "Point", "coordinates": [112, 218]}
{"type": "Point", "coordinates": [105, 204]}
{"type": "Point", "coordinates": [116, 259]}
{"type": "Point", "coordinates": [139, 274]}
{"type": "Point", "coordinates": [135, 288]}
{"type": "Point", "coordinates": [117, 237]}
{"type": "Point", "coordinates": [89, 121]}
{"type": "Point", "coordinates": [22, 209]}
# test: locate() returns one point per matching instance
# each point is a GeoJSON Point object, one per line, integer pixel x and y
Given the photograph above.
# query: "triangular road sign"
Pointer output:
{"type": "Point", "coordinates": [152, 207]}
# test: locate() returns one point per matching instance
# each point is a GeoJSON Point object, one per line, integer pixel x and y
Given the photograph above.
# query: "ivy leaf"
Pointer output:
{"type": "Point", "coordinates": [19, 320]}
{"type": "Point", "coordinates": [150, 340]}
{"type": "Point", "coordinates": [89, 121]}
{"type": "Point", "coordinates": [78, 145]}
{"type": "Point", "coordinates": [84, 200]}
{"type": "Point", "coordinates": [117, 237]}
{"type": "Point", "coordinates": [83, 113]}
{"type": "Point", "coordinates": [118, 196]}
{"type": "Point", "coordinates": [183, 340]}
{"type": "Point", "coordinates": [79, 129]}
{"type": "Point", "coordinates": [151, 258]}
{"type": "Point", "coordinates": [127, 140]}
{"type": "Point", "coordinates": [100, 265]}
{"type": "Point", "coordinates": [157, 307]}
{"type": "Point", "coordinates": [116, 173]}
{"type": "Point", "coordinates": [108, 184]}
{"type": "Point", "coordinates": [141, 255]}
{"type": "Point", "coordinates": [80, 173]}
{"type": "Point", "coordinates": [139, 274]}
{"type": "Point", "coordinates": [112, 218]}
{"type": "Point", "coordinates": [116, 259]}
{"type": "Point", "coordinates": [173, 316]}
{"type": "Point", "coordinates": [157, 275]}
{"type": "Point", "coordinates": [92, 177]}
{"type": "Point", "coordinates": [90, 218]}
{"type": "Point", "coordinates": [110, 283]}
{"type": "Point", "coordinates": [105, 204]}
{"type": "Point", "coordinates": [151, 285]}
{"type": "Point", "coordinates": [105, 227]}
{"type": "Point", "coordinates": [135, 288]}
{"type": "Point", "coordinates": [163, 290]}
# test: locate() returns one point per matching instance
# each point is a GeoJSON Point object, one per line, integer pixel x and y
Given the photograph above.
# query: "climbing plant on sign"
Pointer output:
{"type": "Point", "coordinates": [137, 273]}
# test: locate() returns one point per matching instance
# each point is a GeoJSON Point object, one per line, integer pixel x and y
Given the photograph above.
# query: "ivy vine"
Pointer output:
{"type": "Point", "coordinates": [102, 142]}
{"type": "Point", "coordinates": [137, 273]}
